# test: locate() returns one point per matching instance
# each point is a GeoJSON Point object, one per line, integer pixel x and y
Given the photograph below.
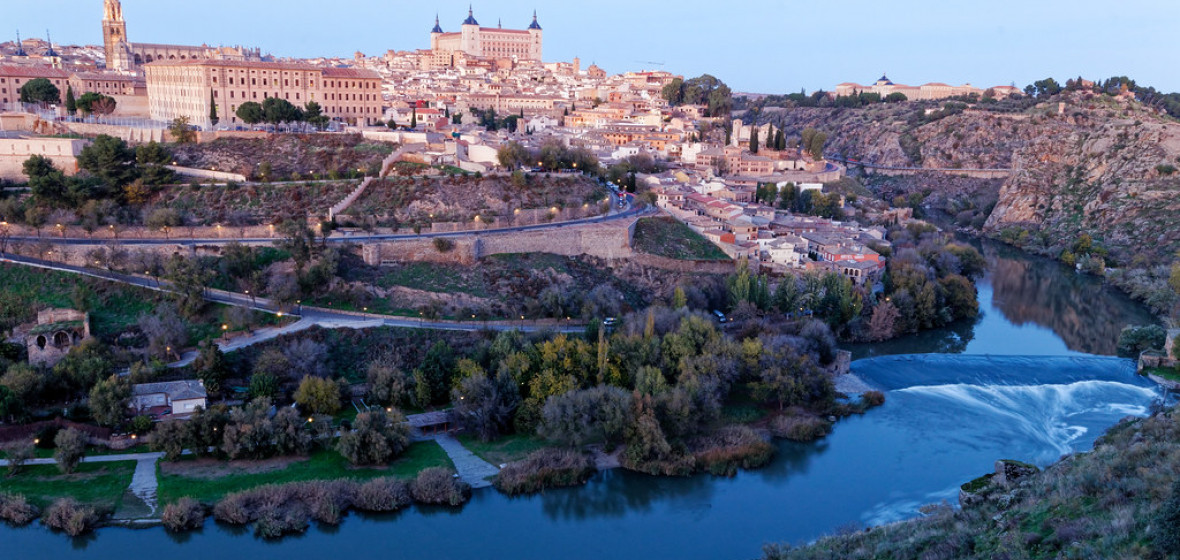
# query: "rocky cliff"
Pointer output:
{"type": "Point", "coordinates": [1083, 163]}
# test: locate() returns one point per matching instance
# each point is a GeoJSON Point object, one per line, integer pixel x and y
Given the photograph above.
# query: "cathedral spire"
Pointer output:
{"type": "Point", "coordinates": [470, 16]}
{"type": "Point", "coordinates": [49, 40]}
{"type": "Point", "coordinates": [535, 25]}
{"type": "Point", "coordinates": [437, 25]}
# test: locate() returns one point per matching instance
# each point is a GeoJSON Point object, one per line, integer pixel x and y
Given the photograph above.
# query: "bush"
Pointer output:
{"type": "Point", "coordinates": [545, 468]}
{"type": "Point", "coordinates": [185, 514]}
{"type": "Point", "coordinates": [70, 517]}
{"type": "Point", "coordinates": [71, 447]}
{"type": "Point", "coordinates": [18, 454]}
{"type": "Point", "coordinates": [376, 438]}
{"type": "Point", "coordinates": [443, 245]}
{"type": "Point", "coordinates": [800, 427]}
{"type": "Point", "coordinates": [382, 495]}
{"type": "Point", "coordinates": [872, 399]}
{"type": "Point", "coordinates": [278, 510]}
{"type": "Point", "coordinates": [1135, 339]}
{"type": "Point", "coordinates": [730, 448]}
{"type": "Point", "coordinates": [439, 486]}
{"type": "Point", "coordinates": [16, 510]}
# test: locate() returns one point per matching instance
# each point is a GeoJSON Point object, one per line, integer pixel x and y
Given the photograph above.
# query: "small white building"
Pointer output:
{"type": "Point", "coordinates": [174, 398]}
{"type": "Point", "coordinates": [787, 250]}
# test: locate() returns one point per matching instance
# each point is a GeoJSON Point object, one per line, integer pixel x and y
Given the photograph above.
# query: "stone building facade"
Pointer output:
{"type": "Point", "coordinates": [13, 77]}
{"type": "Point", "coordinates": [490, 42]}
{"type": "Point", "coordinates": [185, 88]}
{"type": "Point", "coordinates": [56, 333]}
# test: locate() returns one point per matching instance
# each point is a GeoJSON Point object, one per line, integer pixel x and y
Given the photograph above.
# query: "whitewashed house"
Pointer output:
{"type": "Point", "coordinates": [174, 398]}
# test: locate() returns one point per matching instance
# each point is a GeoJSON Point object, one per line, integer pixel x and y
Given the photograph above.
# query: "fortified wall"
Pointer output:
{"type": "Point", "coordinates": [607, 241]}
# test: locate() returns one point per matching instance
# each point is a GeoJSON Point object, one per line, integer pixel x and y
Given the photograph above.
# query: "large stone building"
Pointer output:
{"type": "Point", "coordinates": [57, 331]}
{"type": "Point", "coordinates": [13, 77]}
{"type": "Point", "coordinates": [185, 88]}
{"type": "Point", "coordinates": [123, 55]}
{"type": "Point", "coordinates": [63, 152]}
{"type": "Point", "coordinates": [926, 92]}
{"type": "Point", "coordinates": [489, 42]}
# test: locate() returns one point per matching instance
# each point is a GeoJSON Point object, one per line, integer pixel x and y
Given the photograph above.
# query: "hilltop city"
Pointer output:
{"type": "Point", "coordinates": [269, 290]}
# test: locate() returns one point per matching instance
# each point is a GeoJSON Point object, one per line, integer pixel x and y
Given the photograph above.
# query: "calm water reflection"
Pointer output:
{"type": "Point", "coordinates": [1030, 306]}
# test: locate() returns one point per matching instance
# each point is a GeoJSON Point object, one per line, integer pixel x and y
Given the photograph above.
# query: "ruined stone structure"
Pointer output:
{"type": "Point", "coordinates": [57, 331]}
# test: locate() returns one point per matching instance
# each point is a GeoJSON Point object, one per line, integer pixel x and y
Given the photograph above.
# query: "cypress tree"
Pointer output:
{"type": "Point", "coordinates": [71, 103]}
{"type": "Point", "coordinates": [213, 109]}
{"type": "Point", "coordinates": [414, 118]}
{"type": "Point", "coordinates": [780, 140]}
{"type": "Point", "coordinates": [753, 139]}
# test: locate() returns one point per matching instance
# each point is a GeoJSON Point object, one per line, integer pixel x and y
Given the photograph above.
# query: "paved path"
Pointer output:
{"type": "Point", "coordinates": [472, 469]}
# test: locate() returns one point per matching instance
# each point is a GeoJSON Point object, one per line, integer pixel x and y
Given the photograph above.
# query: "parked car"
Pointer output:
{"type": "Point", "coordinates": [721, 318]}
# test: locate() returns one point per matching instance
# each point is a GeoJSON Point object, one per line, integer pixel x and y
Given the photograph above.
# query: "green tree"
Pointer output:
{"type": "Point", "coordinates": [263, 385]}
{"type": "Point", "coordinates": [182, 132]}
{"type": "Point", "coordinates": [71, 448]}
{"type": "Point", "coordinates": [210, 366]}
{"type": "Point", "coordinates": [318, 396]}
{"type": "Point", "coordinates": [433, 374]}
{"type": "Point", "coordinates": [40, 90]}
{"type": "Point", "coordinates": [485, 405]}
{"type": "Point", "coordinates": [276, 110]}
{"type": "Point", "coordinates": [71, 102]}
{"type": "Point", "coordinates": [111, 160]}
{"type": "Point", "coordinates": [151, 158]}
{"type": "Point", "coordinates": [314, 115]}
{"type": "Point", "coordinates": [11, 404]}
{"type": "Point", "coordinates": [753, 139]}
{"type": "Point", "coordinates": [108, 400]}
{"type": "Point", "coordinates": [213, 118]}
{"type": "Point", "coordinates": [250, 112]}
{"type": "Point", "coordinates": [673, 93]}
{"type": "Point", "coordinates": [47, 183]}
{"type": "Point", "coordinates": [96, 103]}
{"type": "Point", "coordinates": [171, 438]}
{"type": "Point", "coordinates": [18, 454]}
{"type": "Point", "coordinates": [376, 438]}
{"type": "Point", "coordinates": [414, 117]}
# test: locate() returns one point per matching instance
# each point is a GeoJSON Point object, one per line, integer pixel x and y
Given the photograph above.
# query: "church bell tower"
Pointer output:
{"type": "Point", "coordinates": [114, 37]}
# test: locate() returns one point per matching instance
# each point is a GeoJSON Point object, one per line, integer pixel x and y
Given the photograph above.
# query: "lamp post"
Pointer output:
{"type": "Point", "coordinates": [225, 332]}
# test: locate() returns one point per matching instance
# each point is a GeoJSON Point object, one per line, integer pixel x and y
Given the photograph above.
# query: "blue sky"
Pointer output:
{"type": "Point", "coordinates": [764, 46]}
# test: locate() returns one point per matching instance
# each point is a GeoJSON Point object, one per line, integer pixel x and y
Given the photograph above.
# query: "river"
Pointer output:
{"type": "Point", "coordinates": [1030, 380]}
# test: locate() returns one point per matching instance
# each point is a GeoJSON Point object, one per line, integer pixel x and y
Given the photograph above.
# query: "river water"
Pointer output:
{"type": "Point", "coordinates": [1029, 380]}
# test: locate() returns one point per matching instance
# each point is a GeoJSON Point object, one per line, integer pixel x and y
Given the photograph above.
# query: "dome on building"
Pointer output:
{"type": "Point", "coordinates": [535, 25]}
{"type": "Point", "coordinates": [884, 81]}
{"type": "Point", "coordinates": [470, 17]}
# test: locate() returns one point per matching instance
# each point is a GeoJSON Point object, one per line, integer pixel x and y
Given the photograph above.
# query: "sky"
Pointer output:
{"type": "Point", "coordinates": [757, 46]}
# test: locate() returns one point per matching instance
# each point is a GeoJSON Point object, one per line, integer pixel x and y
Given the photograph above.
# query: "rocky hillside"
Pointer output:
{"type": "Point", "coordinates": [1085, 163]}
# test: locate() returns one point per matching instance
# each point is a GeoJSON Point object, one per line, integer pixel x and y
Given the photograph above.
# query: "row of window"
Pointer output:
{"type": "Point", "coordinates": [287, 96]}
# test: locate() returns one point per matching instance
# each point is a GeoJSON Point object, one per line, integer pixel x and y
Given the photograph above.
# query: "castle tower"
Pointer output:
{"type": "Point", "coordinates": [435, 34]}
{"type": "Point", "coordinates": [114, 37]}
{"type": "Point", "coordinates": [20, 46]}
{"type": "Point", "coordinates": [470, 42]}
{"type": "Point", "coordinates": [535, 33]}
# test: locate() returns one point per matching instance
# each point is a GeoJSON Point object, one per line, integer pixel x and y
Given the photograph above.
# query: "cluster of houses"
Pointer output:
{"type": "Point", "coordinates": [777, 240]}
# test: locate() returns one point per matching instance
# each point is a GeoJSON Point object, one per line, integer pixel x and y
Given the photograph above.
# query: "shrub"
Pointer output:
{"type": "Point", "coordinates": [872, 399]}
{"type": "Point", "coordinates": [16, 510]}
{"type": "Point", "coordinates": [439, 486]}
{"type": "Point", "coordinates": [797, 427]}
{"type": "Point", "coordinates": [141, 424]}
{"type": "Point", "coordinates": [70, 517]}
{"type": "Point", "coordinates": [185, 514]}
{"type": "Point", "coordinates": [545, 468]}
{"type": "Point", "coordinates": [443, 245]}
{"type": "Point", "coordinates": [375, 438]}
{"type": "Point", "coordinates": [71, 447]}
{"type": "Point", "coordinates": [382, 495]}
{"type": "Point", "coordinates": [1134, 339]}
{"type": "Point", "coordinates": [18, 454]}
{"type": "Point", "coordinates": [731, 447]}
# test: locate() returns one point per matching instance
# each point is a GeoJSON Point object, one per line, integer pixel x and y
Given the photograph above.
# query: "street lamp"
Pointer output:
{"type": "Point", "coordinates": [225, 332]}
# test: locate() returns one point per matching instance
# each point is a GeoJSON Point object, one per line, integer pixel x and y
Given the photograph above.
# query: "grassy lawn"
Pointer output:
{"type": "Point", "coordinates": [669, 238]}
{"type": "Point", "coordinates": [504, 450]}
{"type": "Point", "coordinates": [92, 483]}
{"type": "Point", "coordinates": [323, 465]}
{"type": "Point", "coordinates": [1167, 373]}
{"type": "Point", "coordinates": [439, 278]}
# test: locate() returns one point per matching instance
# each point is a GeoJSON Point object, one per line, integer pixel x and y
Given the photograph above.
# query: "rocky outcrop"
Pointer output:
{"type": "Point", "coordinates": [997, 485]}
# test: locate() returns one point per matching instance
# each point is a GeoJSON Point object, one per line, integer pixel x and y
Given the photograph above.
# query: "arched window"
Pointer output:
{"type": "Point", "coordinates": [41, 342]}
{"type": "Point", "coordinates": [61, 339]}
